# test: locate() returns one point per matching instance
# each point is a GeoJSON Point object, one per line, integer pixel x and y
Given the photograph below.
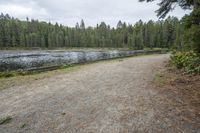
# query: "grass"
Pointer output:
{"type": "Point", "coordinates": [23, 125]}
{"type": "Point", "coordinates": [78, 48]}
{"type": "Point", "coordinates": [15, 78]}
{"type": "Point", "coordinates": [19, 78]}
{"type": "Point", "coordinates": [159, 79]}
{"type": "Point", "coordinates": [9, 74]}
{"type": "Point", "coordinates": [5, 120]}
{"type": "Point", "coordinates": [162, 78]}
{"type": "Point", "coordinates": [66, 48]}
{"type": "Point", "coordinates": [177, 97]}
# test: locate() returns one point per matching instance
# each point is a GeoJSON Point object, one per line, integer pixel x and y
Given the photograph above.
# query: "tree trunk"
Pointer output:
{"type": "Point", "coordinates": [195, 2]}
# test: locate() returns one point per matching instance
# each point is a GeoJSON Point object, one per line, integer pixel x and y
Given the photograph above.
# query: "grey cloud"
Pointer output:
{"type": "Point", "coordinates": [68, 12]}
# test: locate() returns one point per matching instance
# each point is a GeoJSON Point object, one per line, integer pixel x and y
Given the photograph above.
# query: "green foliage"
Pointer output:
{"type": "Point", "coordinates": [34, 34]}
{"type": "Point", "coordinates": [189, 61]}
{"type": "Point", "coordinates": [159, 79]}
{"type": "Point", "coordinates": [192, 30]}
{"type": "Point", "coordinates": [189, 37]}
{"type": "Point", "coordinates": [193, 65]}
{"type": "Point", "coordinates": [167, 5]}
{"type": "Point", "coordinates": [5, 120]}
{"type": "Point", "coordinates": [23, 125]}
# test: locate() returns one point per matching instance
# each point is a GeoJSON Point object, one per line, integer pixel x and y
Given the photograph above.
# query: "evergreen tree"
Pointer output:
{"type": "Point", "coordinates": [32, 33]}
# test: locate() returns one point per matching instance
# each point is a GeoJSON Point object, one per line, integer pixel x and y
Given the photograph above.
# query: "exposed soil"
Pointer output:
{"type": "Point", "coordinates": [178, 100]}
{"type": "Point", "coordinates": [106, 97]}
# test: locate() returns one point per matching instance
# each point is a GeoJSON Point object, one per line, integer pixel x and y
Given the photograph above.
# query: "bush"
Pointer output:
{"type": "Point", "coordinates": [193, 65]}
{"type": "Point", "coordinates": [189, 61]}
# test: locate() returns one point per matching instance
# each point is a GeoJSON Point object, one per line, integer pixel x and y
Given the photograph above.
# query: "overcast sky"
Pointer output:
{"type": "Point", "coordinates": [68, 12]}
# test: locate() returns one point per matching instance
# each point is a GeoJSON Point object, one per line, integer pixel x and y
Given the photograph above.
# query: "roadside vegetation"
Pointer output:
{"type": "Point", "coordinates": [178, 97]}
{"type": "Point", "coordinates": [187, 52]}
{"type": "Point", "coordinates": [188, 57]}
{"type": "Point", "coordinates": [188, 61]}
{"type": "Point", "coordinates": [12, 78]}
{"type": "Point", "coordinates": [5, 120]}
{"type": "Point", "coordinates": [178, 86]}
{"type": "Point", "coordinates": [183, 35]}
{"type": "Point", "coordinates": [175, 103]}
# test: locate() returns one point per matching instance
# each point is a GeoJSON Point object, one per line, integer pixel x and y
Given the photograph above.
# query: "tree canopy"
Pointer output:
{"type": "Point", "coordinates": [33, 33]}
{"type": "Point", "coordinates": [168, 5]}
{"type": "Point", "coordinates": [191, 22]}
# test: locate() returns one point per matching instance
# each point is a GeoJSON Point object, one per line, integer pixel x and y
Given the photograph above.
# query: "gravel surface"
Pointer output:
{"type": "Point", "coordinates": [104, 97]}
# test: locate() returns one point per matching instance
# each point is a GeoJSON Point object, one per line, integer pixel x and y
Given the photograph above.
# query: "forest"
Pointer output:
{"type": "Point", "coordinates": [33, 33]}
{"type": "Point", "coordinates": [138, 77]}
{"type": "Point", "coordinates": [182, 36]}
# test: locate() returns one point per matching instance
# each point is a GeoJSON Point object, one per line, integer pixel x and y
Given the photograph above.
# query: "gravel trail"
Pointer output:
{"type": "Point", "coordinates": [103, 97]}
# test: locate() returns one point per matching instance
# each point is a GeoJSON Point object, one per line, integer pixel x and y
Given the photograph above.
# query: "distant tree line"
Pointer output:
{"type": "Point", "coordinates": [190, 22]}
{"type": "Point", "coordinates": [32, 33]}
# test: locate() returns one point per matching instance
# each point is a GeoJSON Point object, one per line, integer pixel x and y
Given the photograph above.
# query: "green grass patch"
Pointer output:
{"type": "Point", "coordinates": [66, 48]}
{"type": "Point", "coordinates": [160, 79]}
{"type": "Point", "coordinates": [23, 125]}
{"type": "Point", "coordinates": [5, 120]}
{"type": "Point", "coordinates": [9, 74]}
{"type": "Point", "coordinates": [19, 78]}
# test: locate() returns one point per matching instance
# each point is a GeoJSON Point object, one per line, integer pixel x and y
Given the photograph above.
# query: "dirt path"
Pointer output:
{"type": "Point", "coordinates": [105, 97]}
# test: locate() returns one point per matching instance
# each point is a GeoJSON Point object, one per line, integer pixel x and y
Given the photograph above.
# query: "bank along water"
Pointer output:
{"type": "Point", "coordinates": [33, 60]}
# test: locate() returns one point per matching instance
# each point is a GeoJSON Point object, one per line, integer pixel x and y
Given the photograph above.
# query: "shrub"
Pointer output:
{"type": "Point", "coordinates": [193, 65]}
{"type": "Point", "coordinates": [189, 61]}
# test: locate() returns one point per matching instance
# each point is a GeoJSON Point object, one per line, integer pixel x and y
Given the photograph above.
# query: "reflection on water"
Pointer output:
{"type": "Point", "coordinates": [27, 60]}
